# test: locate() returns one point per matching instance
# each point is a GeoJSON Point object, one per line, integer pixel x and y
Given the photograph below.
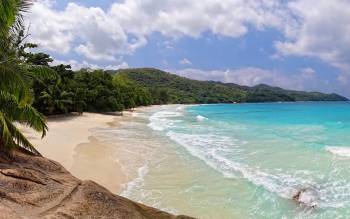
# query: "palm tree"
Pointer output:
{"type": "Point", "coordinates": [55, 99]}
{"type": "Point", "coordinates": [15, 98]}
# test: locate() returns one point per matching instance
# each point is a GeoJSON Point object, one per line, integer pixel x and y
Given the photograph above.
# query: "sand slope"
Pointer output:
{"type": "Point", "coordinates": [70, 143]}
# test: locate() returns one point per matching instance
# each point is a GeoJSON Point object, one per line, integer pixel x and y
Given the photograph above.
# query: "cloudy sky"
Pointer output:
{"type": "Point", "coordinates": [297, 44]}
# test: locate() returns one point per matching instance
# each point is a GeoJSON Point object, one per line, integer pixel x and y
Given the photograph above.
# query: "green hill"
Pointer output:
{"type": "Point", "coordinates": [178, 89]}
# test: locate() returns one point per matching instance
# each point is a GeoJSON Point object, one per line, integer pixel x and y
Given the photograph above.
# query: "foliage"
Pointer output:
{"type": "Point", "coordinates": [85, 90]}
{"type": "Point", "coordinates": [65, 91]}
{"type": "Point", "coordinates": [131, 94]}
{"type": "Point", "coordinates": [15, 98]}
{"type": "Point", "coordinates": [170, 88]}
{"type": "Point", "coordinates": [97, 91]}
{"type": "Point", "coordinates": [265, 93]}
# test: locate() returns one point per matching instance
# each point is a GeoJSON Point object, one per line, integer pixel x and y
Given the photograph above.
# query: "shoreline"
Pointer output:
{"type": "Point", "coordinates": [71, 142]}
{"type": "Point", "coordinates": [151, 156]}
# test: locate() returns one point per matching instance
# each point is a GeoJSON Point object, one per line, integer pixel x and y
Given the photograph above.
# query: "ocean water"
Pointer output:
{"type": "Point", "coordinates": [239, 160]}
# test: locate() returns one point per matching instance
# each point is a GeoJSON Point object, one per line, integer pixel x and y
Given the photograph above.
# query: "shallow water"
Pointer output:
{"type": "Point", "coordinates": [239, 161]}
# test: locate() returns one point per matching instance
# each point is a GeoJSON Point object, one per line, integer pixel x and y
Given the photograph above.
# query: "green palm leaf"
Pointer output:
{"type": "Point", "coordinates": [41, 72]}
{"type": "Point", "coordinates": [21, 112]}
{"type": "Point", "coordinates": [15, 95]}
{"type": "Point", "coordinates": [14, 137]}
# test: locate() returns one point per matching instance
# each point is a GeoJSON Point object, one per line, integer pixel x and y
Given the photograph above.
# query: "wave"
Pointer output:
{"type": "Point", "coordinates": [201, 118]}
{"type": "Point", "coordinates": [339, 151]}
{"type": "Point", "coordinates": [215, 151]}
{"type": "Point", "coordinates": [137, 183]}
{"type": "Point", "coordinates": [180, 108]}
{"type": "Point", "coordinates": [135, 114]}
{"type": "Point", "coordinates": [202, 146]}
{"type": "Point", "coordinates": [160, 121]}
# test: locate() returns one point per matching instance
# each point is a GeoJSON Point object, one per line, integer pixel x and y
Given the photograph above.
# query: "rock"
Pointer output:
{"type": "Point", "coordinates": [36, 187]}
{"type": "Point", "coordinates": [306, 197]}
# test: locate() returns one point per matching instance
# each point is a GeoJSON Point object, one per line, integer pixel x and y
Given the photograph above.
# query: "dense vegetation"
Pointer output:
{"type": "Point", "coordinates": [64, 90]}
{"type": "Point", "coordinates": [176, 89]}
{"type": "Point", "coordinates": [265, 93]}
{"type": "Point", "coordinates": [15, 95]}
{"type": "Point", "coordinates": [105, 91]}
{"type": "Point", "coordinates": [85, 90]}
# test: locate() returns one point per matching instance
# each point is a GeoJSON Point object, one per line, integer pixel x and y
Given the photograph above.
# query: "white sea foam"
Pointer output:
{"type": "Point", "coordinates": [201, 118]}
{"type": "Point", "coordinates": [339, 151]}
{"type": "Point", "coordinates": [134, 114]}
{"type": "Point", "coordinates": [213, 150]}
{"type": "Point", "coordinates": [161, 120]}
{"type": "Point", "coordinates": [137, 183]}
{"type": "Point", "coordinates": [180, 108]}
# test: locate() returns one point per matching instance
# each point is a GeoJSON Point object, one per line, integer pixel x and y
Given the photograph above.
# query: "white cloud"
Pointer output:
{"type": "Point", "coordinates": [76, 65]}
{"type": "Point", "coordinates": [308, 73]}
{"type": "Point", "coordinates": [99, 34]}
{"type": "Point", "coordinates": [46, 30]}
{"type": "Point", "coordinates": [321, 30]}
{"type": "Point", "coordinates": [185, 61]}
{"type": "Point", "coordinates": [343, 79]}
{"type": "Point", "coordinates": [193, 17]}
{"type": "Point", "coordinates": [91, 32]}
{"type": "Point", "coordinates": [88, 52]}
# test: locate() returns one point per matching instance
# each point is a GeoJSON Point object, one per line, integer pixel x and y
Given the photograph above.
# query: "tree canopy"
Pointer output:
{"type": "Point", "coordinates": [169, 88]}
{"type": "Point", "coordinates": [15, 96]}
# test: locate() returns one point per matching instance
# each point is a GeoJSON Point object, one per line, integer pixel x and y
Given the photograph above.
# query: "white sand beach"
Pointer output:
{"type": "Point", "coordinates": [69, 141]}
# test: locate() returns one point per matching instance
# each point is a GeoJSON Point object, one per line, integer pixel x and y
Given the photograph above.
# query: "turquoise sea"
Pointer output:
{"type": "Point", "coordinates": [242, 160]}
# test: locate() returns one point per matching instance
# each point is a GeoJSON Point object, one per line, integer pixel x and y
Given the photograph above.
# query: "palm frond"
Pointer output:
{"type": "Point", "coordinates": [31, 117]}
{"type": "Point", "coordinates": [41, 72]}
{"type": "Point", "coordinates": [22, 113]}
{"type": "Point", "coordinates": [18, 138]}
{"type": "Point", "coordinates": [5, 132]}
{"type": "Point", "coordinates": [15, 74]}
{"type": "Point", "coordinates": [12, 80]}
{"type": "Point", "coordinates": [11, 14]}
{"type": "Point", "coordinates": [8, 103]}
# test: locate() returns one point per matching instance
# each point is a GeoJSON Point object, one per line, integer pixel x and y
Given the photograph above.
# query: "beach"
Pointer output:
{"type": "Point", "coordinates": [248, 161]}
{"type": "Point", "coordinates": [70, 141]}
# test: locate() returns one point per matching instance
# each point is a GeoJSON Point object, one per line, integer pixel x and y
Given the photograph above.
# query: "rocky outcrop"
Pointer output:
{"type": "Point", "coordinates": [36, 187]}
{"type": "Point", "coordinates": [306, 198]}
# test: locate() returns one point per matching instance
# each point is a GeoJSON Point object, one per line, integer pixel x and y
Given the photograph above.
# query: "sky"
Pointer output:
{"type": "Point", "coordinates": [296, 44]}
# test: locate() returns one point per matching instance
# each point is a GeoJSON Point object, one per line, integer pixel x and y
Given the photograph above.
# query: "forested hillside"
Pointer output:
{"type": "Point", "coordinates": [176, 89]}
{"type": "Point", "coordinates": [169, 88]}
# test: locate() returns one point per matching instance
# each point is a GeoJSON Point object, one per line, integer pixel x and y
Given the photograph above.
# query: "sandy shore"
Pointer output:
{"type": "Point", "coordinates": [70, 142]}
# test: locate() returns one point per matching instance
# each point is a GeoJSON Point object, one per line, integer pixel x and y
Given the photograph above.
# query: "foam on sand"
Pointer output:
{"type": "Point", "coordinates": [339, 151]}
{"type": "Point", "coordinates": [137, 183]}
